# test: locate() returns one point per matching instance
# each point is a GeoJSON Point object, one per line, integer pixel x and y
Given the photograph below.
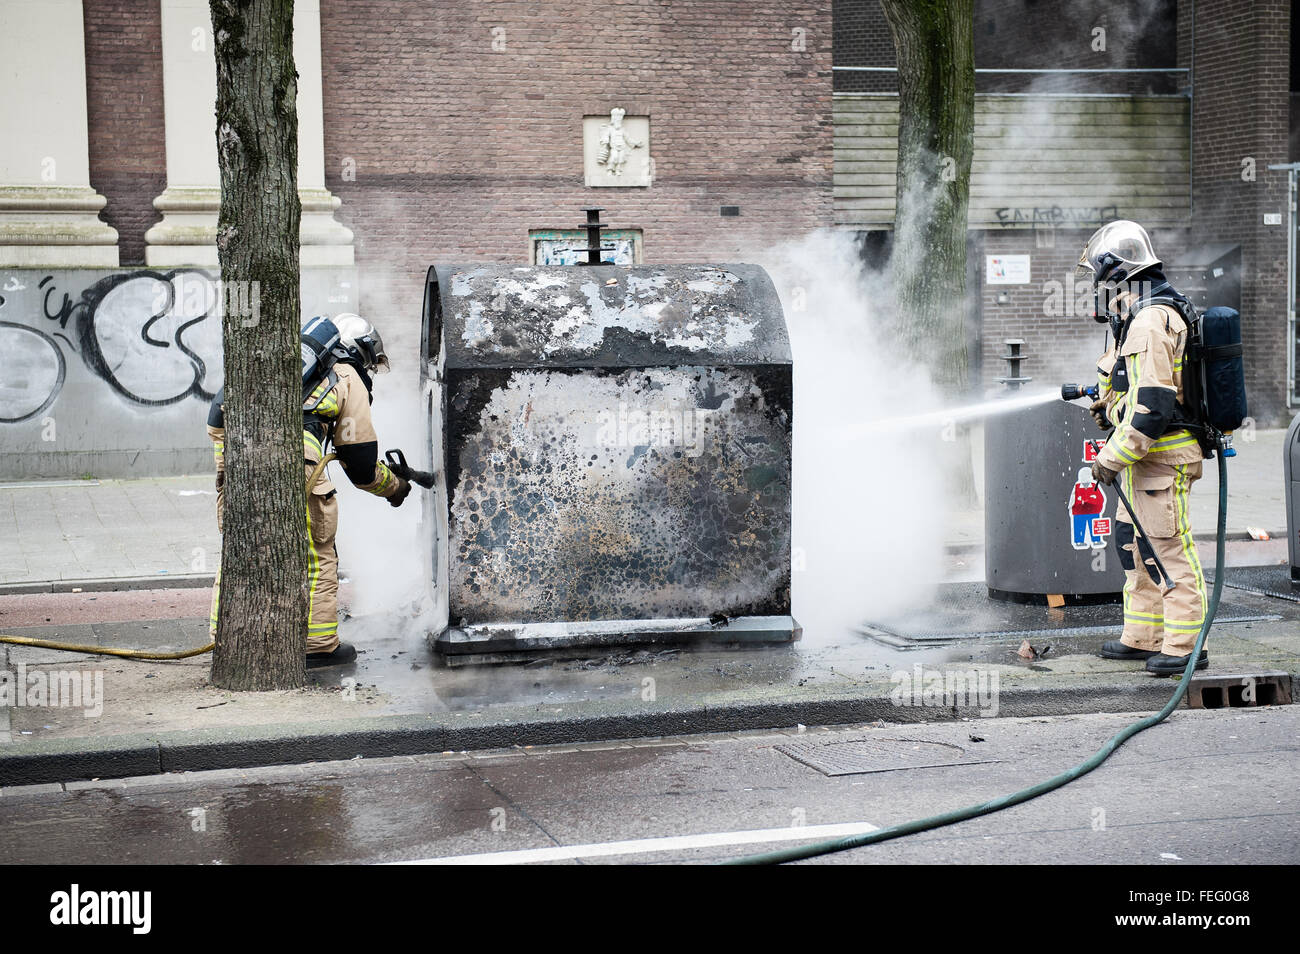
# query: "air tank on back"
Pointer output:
{"type": "Point", "coordinates": [1048, 528]}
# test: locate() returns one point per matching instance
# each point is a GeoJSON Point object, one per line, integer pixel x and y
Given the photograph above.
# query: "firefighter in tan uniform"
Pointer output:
{"type": "Point", "coordinates": [1155, 460]}
{"type": "Point", "coordinates": [336, 412]}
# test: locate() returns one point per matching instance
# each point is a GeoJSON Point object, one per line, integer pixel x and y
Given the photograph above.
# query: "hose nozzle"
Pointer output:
{"type": "Point", "coordinates": [1072, 392]}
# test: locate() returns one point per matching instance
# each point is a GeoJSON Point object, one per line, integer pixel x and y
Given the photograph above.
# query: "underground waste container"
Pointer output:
{"type": "Point", "coordinates": [615, 444]}
{"type": "Point", "coordinates": [1049, 529]}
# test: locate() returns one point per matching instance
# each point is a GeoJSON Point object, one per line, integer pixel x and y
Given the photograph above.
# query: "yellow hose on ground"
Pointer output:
{"type": "Point", "coordinates": [139, 653]}
{"type": "Point", "coordinates": [105, 651]}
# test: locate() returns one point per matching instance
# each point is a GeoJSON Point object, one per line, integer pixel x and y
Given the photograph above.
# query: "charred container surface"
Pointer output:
{"type": "Point", "coordinates": [1048, 529]}
{"type": "Point", "coordinates": [617, 445]}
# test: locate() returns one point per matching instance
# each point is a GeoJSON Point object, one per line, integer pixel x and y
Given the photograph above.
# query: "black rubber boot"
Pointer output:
{"type": "Point", "coordinates": [1163, 665]}
{"type": "Point", "coordinates": [1114, 649]}
{"type": "Point", "coordinates": [343, 653]}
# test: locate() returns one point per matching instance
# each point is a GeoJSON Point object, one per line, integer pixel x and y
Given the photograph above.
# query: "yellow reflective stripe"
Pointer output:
{"type": "Point", "coordinates": [310, 443]}
{"type": "Point", "coordinates": [1182, 487]}
{"type": "Point", "coordinates": [317, 629]}
{"type": "Point", "coordinates": [1133, 385]}
{"type": "Point", "coordinates": [216, 602]}
{"type": "Point", "coordinates": [1181, 438]}
{"type": "Point", "coordinates": [387, 480]}
{"type": "Point", "coordinates": [1129, 405]}
{"type": "Point", "coordinates": [1148, 618]}
{"type": "Point", "coordinates": [313, 572]}
{"type": "Point", "coordinates": [1132, 614]}
{"type": "Point", "coordinates": [1122, 453]}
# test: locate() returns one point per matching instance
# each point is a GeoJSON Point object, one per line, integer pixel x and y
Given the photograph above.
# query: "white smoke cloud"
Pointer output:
{"type": "Point", "coordinates": [870, 513]}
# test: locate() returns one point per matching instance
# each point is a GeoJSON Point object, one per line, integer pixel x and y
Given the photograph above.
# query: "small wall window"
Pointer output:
{"type": "Point", "coordinates": [569, 246]}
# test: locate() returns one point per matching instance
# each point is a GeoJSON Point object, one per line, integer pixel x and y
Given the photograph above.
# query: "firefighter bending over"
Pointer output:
{"type": "Point", "coordinates": [339, 359]}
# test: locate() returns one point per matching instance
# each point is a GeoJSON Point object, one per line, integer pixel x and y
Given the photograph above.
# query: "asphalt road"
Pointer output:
{"type": "Point", "coordinates": [1205, 787]}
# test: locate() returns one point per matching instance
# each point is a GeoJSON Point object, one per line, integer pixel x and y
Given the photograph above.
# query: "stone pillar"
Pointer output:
{"type": "Point", "coordinates": [190, 204]}
{"type": "Point", "coordinates": [48, 210]}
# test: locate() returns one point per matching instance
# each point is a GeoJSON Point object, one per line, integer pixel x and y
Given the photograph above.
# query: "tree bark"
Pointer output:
{"type": "Point", "coordinates": [262, 622]}
{"type": "Point", "coordinates": [934, 42]}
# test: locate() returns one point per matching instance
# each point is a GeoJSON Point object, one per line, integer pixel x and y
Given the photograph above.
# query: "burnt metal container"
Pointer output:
{"type": "Point", "coordinates": [1048, 529]}
{"type": "Point", "coordinates": [616, 449]}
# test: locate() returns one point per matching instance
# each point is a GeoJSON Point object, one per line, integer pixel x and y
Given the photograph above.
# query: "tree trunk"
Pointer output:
{"type": "Point", "coordinates": [262, 622]}
{"type": "Point", "coordinates": [936, 121]}
{"type": "Point", "coordinates": [934, 44]}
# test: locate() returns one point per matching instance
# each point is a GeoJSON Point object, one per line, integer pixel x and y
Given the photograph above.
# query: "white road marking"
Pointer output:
{"type": "Point", "coordinates": [645, 845]}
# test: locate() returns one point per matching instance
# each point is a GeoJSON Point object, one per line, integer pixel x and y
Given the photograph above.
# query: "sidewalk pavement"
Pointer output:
{"type": "Point", "coordinates": [155, 717]}
{"type": "Point", "coordinates": [99, 533]}
{"type": "Point", "coordinates": [75, 531]}
{"type": "Point", "coordinates": [66, 546]}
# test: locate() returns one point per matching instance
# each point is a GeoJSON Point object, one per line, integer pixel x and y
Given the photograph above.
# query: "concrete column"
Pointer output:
{"type": "Point", "coordinates": [190, 204]}
{"type": "Point", "coordinates": [49, 214]}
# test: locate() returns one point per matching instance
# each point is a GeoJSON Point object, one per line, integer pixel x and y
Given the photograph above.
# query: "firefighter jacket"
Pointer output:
{"type": "Point", "coordinates": [1141, 381]}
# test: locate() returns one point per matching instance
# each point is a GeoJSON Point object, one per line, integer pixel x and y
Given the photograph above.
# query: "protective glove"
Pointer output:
{"type": "Point", "coordinates": [1103, 474]}
{"type": "Point", "coordinates": [1098, 411]}
{"type": "Point", "coordinates": [399, 495]}
{"type": "Point", "coordinates": [221, 479]}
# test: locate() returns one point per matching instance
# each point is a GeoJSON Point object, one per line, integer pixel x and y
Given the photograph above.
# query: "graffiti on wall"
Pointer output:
{"type": "Point", "coordinates": [1054, 216]}
{"type": "Point", "coordinates": [152, 337]}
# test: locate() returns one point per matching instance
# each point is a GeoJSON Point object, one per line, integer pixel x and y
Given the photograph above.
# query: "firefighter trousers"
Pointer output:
{"type": "Point", "coordinates": [1157, 619]}
{"type": "Point", "coordinates": [322, 575]}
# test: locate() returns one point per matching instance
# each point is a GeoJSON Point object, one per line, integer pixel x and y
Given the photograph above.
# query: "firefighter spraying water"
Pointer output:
{"type": "Point", "coordinates": [1171, 388]}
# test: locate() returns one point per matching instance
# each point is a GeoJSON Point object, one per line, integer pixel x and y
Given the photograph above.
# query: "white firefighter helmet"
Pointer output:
{"type": "Point", "coordinates": [362, 342]}
{"type": "Point", "coordinates": [1116, 252]}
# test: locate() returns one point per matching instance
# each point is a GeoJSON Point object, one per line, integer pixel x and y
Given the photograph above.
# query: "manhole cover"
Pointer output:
{"type": "Point", "coordinates": [861, 756]}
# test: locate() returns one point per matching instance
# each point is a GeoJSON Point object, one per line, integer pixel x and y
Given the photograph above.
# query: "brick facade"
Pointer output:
{"type": "Point", "coordinates": [460, 149]}
{"type": "Point", "coordinates": [124, 99]}
{"type": "Point", "coordinates": [450, 134]}
{"type": "Point", "coordinates": [1061, 340]}
{"type": "Point", "coordinates": [1240, 111]}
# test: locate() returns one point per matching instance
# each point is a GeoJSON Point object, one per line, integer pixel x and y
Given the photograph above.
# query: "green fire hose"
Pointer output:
{"type": "Point", "coordinates": [1042, 788]}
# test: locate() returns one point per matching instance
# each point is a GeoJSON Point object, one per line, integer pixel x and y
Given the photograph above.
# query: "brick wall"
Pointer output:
{"type": "Point", "coordinates": [1054, 320]}
{"type": "Point", "coordinates": [124, 99]}
{"type": "Point", "coordinates": [1241, 111]}
{"type": "Point", "coordinates": [1061, 339]}
{"type": "Point", "coordinates": [459, 149]}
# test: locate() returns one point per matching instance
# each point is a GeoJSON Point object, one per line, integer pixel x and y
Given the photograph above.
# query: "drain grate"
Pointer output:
{"type": "Point", "coordinates": [863, 756]}
{"type": "Point", "coordinates": [1274, 581]}
{"type": "Point", "coordinates": [1244, 691]}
